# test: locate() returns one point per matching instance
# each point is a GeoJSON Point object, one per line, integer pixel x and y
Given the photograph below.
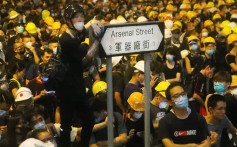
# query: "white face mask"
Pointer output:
{"type": "Point", "coordinates": [137, 115]}
{"type": "Point", "coordinates": [163, 105]}
{"type": "Point", "coordinates": [79, 25]}
{"type": "Point", "coordinates": [50, 144]}
{"type": "Point", "coordinates": [29, 44]}
{"type": "Point", "coordinates": [55, 50]}
{"type": "Point", "coordinates": [204, 34]}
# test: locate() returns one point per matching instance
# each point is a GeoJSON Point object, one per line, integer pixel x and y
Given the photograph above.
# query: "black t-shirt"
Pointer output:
{"type": "Point", "coordinates": [171, 73]}
{"type": "Point", "coordinates": [231, 102]}
{"type": "Point", "coordinates": [193, 129]}
{"type": "Point", "coordinates": [230, 59]}
{"type": "Point", "coordinates": [129, 89]}
{"type": "Point", "coordinates": [118, 82]}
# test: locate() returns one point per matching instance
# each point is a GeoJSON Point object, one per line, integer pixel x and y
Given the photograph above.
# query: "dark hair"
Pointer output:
{"type": "Point", "coordinates": [172, 85]}
{"type": "Point", "coordinates": [14, 68]}
{"type": "Point", "coordinates": [208, 63]}
{"type": "Point", "coordinates": [46, 50]}
{"type": "Point", "coordinates": [98, 105]}
{"type": "Point", "coordinates": [214, 99]}
{"type": "Point", "coordinates": [53, 40]}
{"type": "Point", "coordinates": [172, 51]}
{"type": "Point", "coordinates": [222, 76]}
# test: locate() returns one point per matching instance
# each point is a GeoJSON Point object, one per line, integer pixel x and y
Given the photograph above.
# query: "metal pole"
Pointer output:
{"type": "Point", "coordinates": [110, 102]}
{"type": "Point", "coordinates": [147, 99]}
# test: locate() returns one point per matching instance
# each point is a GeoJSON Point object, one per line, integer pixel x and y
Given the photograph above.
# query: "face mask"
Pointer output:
{"type": "Point", "coordinates": [29, 44]}
{"type": "Point", "coordinates": [204, 34]}
{"type": "Point", "coordinates": [79, 26]}
{"type": "Point", "coordinates": [39, 10]}
{"type": "Point", "coordinates": [126, 15]}
{"type": "Point", "coordinates": [163, 105]}
{"type": "Point", "coordinates": [137, 115]}
{"type": "Point", "coordinates": [20, 29]}
{"type": "Point", "coordinates": [181, 102]}
{"type": "Point", "coordinates": [50, 144]}
{"type": "Point", "coordinates": [44, 79]}
{"type": "Point", "coordinates": [55, 50]}
{"type": "Point", "coordinates": [97, 120]}
{"type": "Point", "coordinates": [40, 125]}
{"type": "Point", "coordinates": [170, 57]}
{"type": "Point", "coordinates": [210, 52]}
{"type": "Point", "coordinates": [4, 87]}
{"type": "Point", "coordinates": [219, 87]}
{"type": "Point", "coordinates": [194, 47]}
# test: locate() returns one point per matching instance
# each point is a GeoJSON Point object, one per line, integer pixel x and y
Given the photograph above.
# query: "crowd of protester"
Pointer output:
{"type": "Point", "coordinates": [193, 78]}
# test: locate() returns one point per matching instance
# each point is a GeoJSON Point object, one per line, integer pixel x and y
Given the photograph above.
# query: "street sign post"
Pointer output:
{"type": "Point", "coordinates": [130, 38]}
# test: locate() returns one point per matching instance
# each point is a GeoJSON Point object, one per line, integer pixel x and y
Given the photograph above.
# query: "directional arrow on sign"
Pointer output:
{"type": "Point", "coordinates": [132, 38]}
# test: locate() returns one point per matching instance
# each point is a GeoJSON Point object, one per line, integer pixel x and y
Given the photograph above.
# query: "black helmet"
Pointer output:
{"type": "Point", "coordinates": [71, 9]}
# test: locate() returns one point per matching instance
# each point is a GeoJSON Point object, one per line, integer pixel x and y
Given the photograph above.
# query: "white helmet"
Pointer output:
{"type": "Point", "coordinates": [113, 21]}
{"type": "Point", "coordinates": [140, 66]}
{"type": "Point", "coordinates": [22, 94]}
{"type": "Point", "coordinates": [115, 60]}
{"type": "Point", "coordinates": [32, 142]}
{"type": "Point", "coordinates": [169, 24]}
{"type": "Point", "coordinates": [142, 19]}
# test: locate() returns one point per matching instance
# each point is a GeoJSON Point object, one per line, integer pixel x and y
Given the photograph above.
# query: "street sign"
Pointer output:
{"type": "Point", "coordinates": [132, 38]}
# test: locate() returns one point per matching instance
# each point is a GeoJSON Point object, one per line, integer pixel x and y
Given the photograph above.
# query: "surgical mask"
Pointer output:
{"type": "Point", "coordinates": [29, 44]}
{"type": "Point", "coordinates": [137, 115]}
{"type": "Point", "coordinates": [97, 120]}
{"type": "Point", "coordinates": [50, 144]}
{"type": "Point", "coordinates": [163, 105]}
{"type": "Point", "coordinates": [20, 29]}
{"type": "Point", "coordinates": [219, 87]}
{"type": "Point", "coordinates": [181, 102]}
{"type": "Point", "coordinates": [44, 79]}
{"type": "Point", "coordinates": [55, 50]}
{"type": "Point", "coordinates": [79, 26]}
{"type": "Point", "coordinates": [204, 34]}
{"type": "Point", "coordinates": [210, 52]}
{"type": "Point", "coordinates": [194, 47]}
{"type": "Point", "coordinates": [170, 57]}
{"type": "Point", "coordinates": [40, 125]}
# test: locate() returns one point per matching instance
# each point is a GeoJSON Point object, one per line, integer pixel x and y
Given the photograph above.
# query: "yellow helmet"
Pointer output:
{"type": "Point", "coordinates": [221, 2]}
{"type": "Point", "coordinates": [216, 16]}
{"type": "Point", "coordinates": [98, 87]}
{"type": "Point", "coordinates": [234, 29]}
{"type": "Point", "coordinates": [170, 7]}
{"type": "Point", "coordinates": [45, 13]}
{"type": "Point", "coordinates": [231, 38]}
{"type": "Point", "coordinates": [197, 7]}
{"type": "Point", "coordinates": [229, 2]}
{"type": "Point", "coordinates": [137, 101]}
{"type": "Point", "coordinates": [161, 87]}
{"type": "Point", "coordinates": [49, 20]}
{"type": "Point", "coordinates": [13, 14]}
{"type": "Point", "coordinates": [121, 19]}
{"type": "Point", "coordinates": [31, 28]}
{"type": "Point", "coordinates": [191, 14]}
{"type": "Point", "coordinates": [148, 9]}
{"type": "Point", "coordinates": [210, 5]}
{"type": "Point", "coordinates": [234, 81]}
{"type": "Point", "coordinates": [225, 23]}
{"type": "Point", "coordinates": [193, 37]}
{"type": "Point", "coordinates": [56, 25]}
{"type": "Point", "coordinates": [186, 2]}
{"type": "Point", "coordinates": [178, 23]}
{"type": "Point", "coordinates": [209, 40]}
{"type": "Point", "coordinates": [208, 23]}
{"type": "Point", "coordinates": [226, 31]}
{"type": "Point", "coordinates": [86, 41]}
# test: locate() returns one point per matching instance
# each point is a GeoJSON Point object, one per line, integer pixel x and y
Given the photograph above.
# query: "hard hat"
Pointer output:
{"type": "Point", "coordinates": [233, 16]}
{"type": "Point", "coordinates": [161, 87]}
{"type": "Point", "coordinates": [13, 14]}
{"type": "Point", "coordinates": [179, 24]}
{"type": "Point", "coordinates": [137, 101]}
{"type": "Point", "coordinates": [184, 6]}
{"type": "Point", "coordinates": [142, 19]}
{"type": "Point", "coordinates": [234, 81]}
{"type": "Point", "coordinates": [56, 25]}
{"type": "Point", "coordinates": [191, 14]}
{"type": "Point", "coordinates": [168, 24]}
{"type": "Point", "coordinates": [32, 142]}
{"type": "Point", "coordinates": [22, 94]}
{"type": "Point", "coordinates": [193, 38]}
{"type": "Point", "coordinates": [186, 2]}
{"type": "Point", "coordinates": [121, 19]}
{"type": "Point", "coordinates": [182, 13]}
{"type": "Point", "coordinates": [113, 21]}
{"type": "Point", "coordinates": [168, 33]}
{"type": "Point", "coordinates": [232, 24]}
{"type": "Point", "coordinates": [116, 59]}
{"type": "Point", "coordinates": [216, 16]}
{"type": "Point", "coordinates": [225, 23]}
{"type": "Point", "coordinates": [234, 29]}
{"type": "Point", "coordinates": [98, 87]}
{"type": "Point", "coordinates": [175, 28]}
{"type": "Point", "coordinates": [226, 31]}
{"type": "Point", "coordinates": [208, 23]}
{"type": "Point", "coordinates": [210, 5]}
{"type": "Point", "coordinates": [152, 13]}
{"type": "Point", "coordinates": [148, 9]}
{"type": "Point", "coordinates": [197, 7]}
{"type": "Point", "coordinates": [140, 66]}
{"type": "Point", "coordinates": [72, 9]}
{"type": "Point", "coordinates": [221, 2]}
{"type": "Point", "coordinates": [86, 41]}
{"type": "Point", "coordinates": [31, 28]}
{"type": "Point", "coordinates": [231, 38]}
{"type": "Point", "coordinates": [170, 7]}
{"type": "Point", "coordinates": [209, 40]}
{"type": "Point", "coordinates": [49, 20]}
{"type": "Point", "coordinates": [230, 2]}
{"type": "Point", "coordinates": [45, 13]}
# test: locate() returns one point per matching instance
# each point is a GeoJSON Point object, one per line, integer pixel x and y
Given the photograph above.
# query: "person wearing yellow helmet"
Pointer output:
{"type": "Point", "coordinates": [48, 22]}
{"type": "Point", "coordinates": [210, 49]}
{"type": "Point", "coordinates": [135, 120]}
{"type": "Point", "coordinates": [231, 56]}
{"type": "Point", "coordinates": [56, 26]}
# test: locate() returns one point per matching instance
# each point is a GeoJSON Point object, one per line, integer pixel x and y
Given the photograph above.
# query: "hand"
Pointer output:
{"type": "Point", "coordinates": [140, 134]}
{"type": "Point", "coordinates": [43, 92]}
{"type": "Point", "coordinates": [98, 30]}
{"type": "Point", "coordinates": [213, 137]}
{"type": "Point", "coordinates": [153, 81]}
{"type": "Point", "coordinates": [131, 133]}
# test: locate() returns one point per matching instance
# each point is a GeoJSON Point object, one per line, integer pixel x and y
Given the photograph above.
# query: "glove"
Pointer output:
{"type": "Point", "coordinates": [131, 133]}
{"type": "Point", "coordinates": [98, 30]}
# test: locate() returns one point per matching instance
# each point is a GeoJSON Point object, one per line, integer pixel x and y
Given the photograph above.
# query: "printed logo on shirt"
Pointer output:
{"type": "Point", "coordinates": [184, 133]}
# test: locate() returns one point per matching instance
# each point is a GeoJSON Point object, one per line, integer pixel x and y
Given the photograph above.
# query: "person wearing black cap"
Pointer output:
{"type": "Point", "coordinates": [72, 91]}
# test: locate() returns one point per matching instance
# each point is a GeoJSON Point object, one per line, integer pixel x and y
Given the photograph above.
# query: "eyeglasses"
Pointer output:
{"type": "Point", "coordinates": [179, 94]}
